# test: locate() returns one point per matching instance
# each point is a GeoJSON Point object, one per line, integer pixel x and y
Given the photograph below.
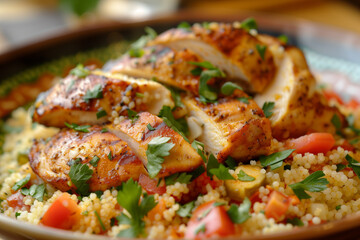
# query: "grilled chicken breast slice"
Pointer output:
{"type": "Point", "coordinates": [78, 100]}
{"type": "Point", "coordinates": [298, 109]}
{"type": "Point", "coordinates": [51, 160]}
{"type": "Point", "coordinates": [231, 49]}
{"type": "Point", "coordinates": [182, 156]}
{"type": "Point", "coordinates": [167, 66]}
{"type": "Point", "coordinates": [231, 127]}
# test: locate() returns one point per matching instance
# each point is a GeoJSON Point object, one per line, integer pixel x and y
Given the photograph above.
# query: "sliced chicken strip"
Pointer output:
{"type": "Point", "coordinates": [182, 156]}
{"type": "Point", "coordinates": [78, 100]}
{"type": "Point", "coordinates": [231, 49]}
{"type": "Point", "coordinates": [167, 66]}
{"type": "Point", "coordinates": [50, 160]}
{"type": "Point", "coordinates": [231, 127]}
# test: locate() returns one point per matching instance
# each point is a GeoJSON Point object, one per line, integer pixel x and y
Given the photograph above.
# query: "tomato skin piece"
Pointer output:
{"type": "Point", "coordinates": [353, 103]}
{"type": "Point", "coordinates": [151, 185]}
{"type": "Point", "coordinates": [16, 201]}
{"type": "Point", "coordinates": [216, 222]}
{"type": "Point", "coordinates": [63, 213]}
{"type": "Point", "coordinates": [277, 206]}
{"type": "Point", "coordinates": [313, 143]}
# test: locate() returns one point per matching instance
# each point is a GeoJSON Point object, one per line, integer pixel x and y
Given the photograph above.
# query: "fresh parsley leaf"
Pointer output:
{"type": "Point", "coordinates": [295, 222]}
{"type": "Point", "coordinates": [140, 95]}
{"type": "Point", "coordinates": [228, 88]}
{"type": "Point", "coordinates": [248, 24]}
{"type": "Point", "coordinates": [199, 147]}
{"type": "Point", "coordinates": [17, 214]}
{"type": "Point", "coordinates": [340, 167]}
{"type": "Point", "coordinates": [95, 93]}
{"type": "Point", "coordinates": [351, 120]}
{"type": "Point", "coordinates": [204, 64]}
{"type": "Point", "coordinates": [128, 197]}
{"type": "Point", "coordinates": [178, 177]}
{"type": "Point", "coordinates": [110, 156]}
{"type": "Point", "coordinates": [240, 214]}
{"type": "Point", "coordinates": [82, 128]}
{"type": "Point", "coordinates": [222, 173]}
{"type": "Point", "coordinates": [335, 120]}
{"type": "Point", "coordinates": [354, 141]}
{"type": "Point", "coordinates": [136, 52]}
{"type": "Point", "coordinates": [212, 163]}
{"type": "Point", "coordinates": [94, 161]}
{"type": "Point", "coordinates": [179, 127]}
{"type": "Point", "coordinates": [206, 25]}
{"type": "Point", "coordinates": [136, 47]}
{"type": "Point", "coordinates": [197, 172]}
{"type": "Point", "coordinates": [79, 175]}
{"type": "Point", "coordinates": [35, 191]}
{"type": "Point", "coordinates": [101, 114]}
{"type": "Point", "coordinates": [283, 38]}
{"type": "Point", "coordinates": [185, 26]}
{"type": "Point", "coordinates": [79, 7]}
{"type": "Point", "coordinates": [231, 163]}
{"type": "Point", "coordinates": [79, 71]}
{"type": "Point", "coordinates": [196, 71]}
{"type": "Point", "coordinates": [185, 210]}
{"type": "Point", "coordinates": [150, 32]}
{"type": "Point", "coordinates": [261, 50]}
{"type": "Point", "coordinates": [244, 99]}
{"type": "Point", "coordinates": [158, 148]}
{"type": "Point", "coordinates": [21, 183]}
{"type": "Point", "coordinates": [275, 160]}
{"type": "Point", "coordinates": [150, 127]}
{"type": "Point", "coordinates": [175, 95]}
{"type": "Point", "coordinates": [338, 207]}
{"type": "Point", "coordinates": [200, 228]}
{"type": "Point", "coordinates": [313, 183]}
{"type": "Point", "coordinates": [133, 116]}
{"type": "Point", "coordinates": [100, 221]}
{"type": "Point", "coordinates": [242, 176]}
{"type": "Point", "coordinates": [355, 165]}
{"type": "Point", "coordinates": [104, 130]}
{"type": "Point", "coordinates": [99, 193]}
{"type": "Point", "coordinates": [267, 108]}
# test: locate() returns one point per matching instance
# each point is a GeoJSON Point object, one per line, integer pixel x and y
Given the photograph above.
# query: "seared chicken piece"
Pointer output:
{"type": "Point", "coordinates": [298, 110]}
{"type": "Point", "coordinates": [51, 160]}
{"type": "Point", "coordinates": [231, 127]}
{"type": "Point", "coordinates": [167, 66]}
{"type": "Point", "coordinates": [78, 100]}
{"type": "Point", "coordinates": [232, 50]}
{"type": "Point", "coordinates": [182, 156]}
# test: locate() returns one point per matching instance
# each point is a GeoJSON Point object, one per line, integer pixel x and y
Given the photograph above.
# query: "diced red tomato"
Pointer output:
{"type": "Point", "coordinates": [151, 185]}
{"type": "Point", "coordinates": [159, 208]}
{"type": "Point", "coordinates": [209, 221]}
{"type": "Point", "coordinates": [331, 95]}
{"type": "Point", "coordinates": [16, 201]}
{"type": "Point", "coordinates": [255, 198]}
{"type": "Point", "coordinates": [277, 206]}
{"type": "Point", "coordinates": [63, 213]}
{"type": "Point", "coordinates": [353, 103]}
{"type": "Point", "coordinates": [312, 143]}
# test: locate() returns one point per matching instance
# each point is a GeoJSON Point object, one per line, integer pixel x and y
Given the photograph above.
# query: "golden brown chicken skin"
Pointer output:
{"type": "Point", "coordinates": [51, 160]}
{"type": "Point", "coordinates": [231, 49]}
{"type": "Point", "coordinates": [78, 100]}
{"type": "Point", "coordinates": [182, 156]}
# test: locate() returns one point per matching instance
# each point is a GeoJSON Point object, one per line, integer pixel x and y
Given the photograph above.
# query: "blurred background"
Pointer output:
{"type": "Point", "coordinates": [25, 21]}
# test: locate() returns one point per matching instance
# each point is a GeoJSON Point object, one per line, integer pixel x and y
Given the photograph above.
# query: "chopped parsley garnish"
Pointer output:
{"type": "Point", "coordinates": [35, 191]}
{"type": "Point", "coordinates": [85, 213]}
{"type": "Point", "coordinates": [82, 128]}
{"type": "Point", "coordinates": [354, 141]}
{"type": "Point", "coordinates": [313, 183]}
{"type": "Point", "coordinates": [95, 93]}
{"type": "Point", "coordinates": [295, 222]}
{"type": "Point", "coordinates": [186, 209]}
{"type": "Point", "coordinates": [267, 108]}
{"type": "Point", "coordinates": [101, 114]}
{"type": "Point", "coordinates": [340, 167]}
{"type": "Point", "coordinates": [231, 163]}
{"type": "Point", "coordinates": [94, 161]}
{"type": "Point", "coordinates": [283, 38]}
{"type": "Point", "coordinates": [136, 47]}
{"type": "Point", "coordinates": [100, 221]}
{"type": "Point", "coordinates": [184, 25]}
{"type": "Point", "coordinates": [178, 177]}
{"type": "Point", "coordinates": [128, 197]}
{"type": "Point", "coordinates": [248, 24]}
{"type": "Point", "coordinates": [240, 214]}
{"type": "Point", "coordinates": [133, 116]}
{"type": "Point", "coordinates": [79, 175]}
{"type": "Point", "coordinates": [335, 120]}
{"type": "Point", "coordinates": [211, 163]}
{"type": "Point", "coordinates": [261, 50]}
{"type": "Point", "coordinates": [140, 95]}
{"type": "Point", "coordinates": [17, 214]}
{"type": "Point", "coordinates": [170, 121]}
{"type": "Point", "coordinates": [79, 71]}
{"type": "Point", "coordinates": [104, 130]}
{"type": "Point", "coordinates": [110, 156]}
{"type": "Point", "coordinates": [222, 173]}
{"type": "Point", "coordinates": [242, 176]}
{"type": "Point", "coordinates": [150, 127]}
{"type": "Point", "coordinates": [199, 147]}
{"type": "Point", "coordinates": [207, 93]}
{"type": "Point", "coordinates": [175, 95]}
{"type": "Point", "coordinates": [158, 148]}
{"type": "Point", "coordinates": [200, 228]}
{"type": "Point", "coordinates": [136, 52]}
{"type": "Point", "coordinates": [351, 120]}
{"type": "Point", "coordinates": [244, 99]}
{"type": "Point", "coordinates": [21, 183]}
{"type": "Point", "coordinates": [275, 160]}
{"type": "Point", "coordinates": [228, 88]}
{"type": "Point", "coordinates": [99, 193]}
{"type": "Point", "coordinates": [338, 207]}
{"type": "Point", "coordinates": [355, 165]}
